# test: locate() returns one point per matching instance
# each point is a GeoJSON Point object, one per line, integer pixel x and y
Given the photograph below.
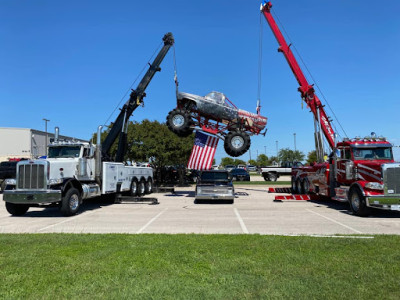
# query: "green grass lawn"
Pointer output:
{"type": "Point", "coordinates": [55, 266]}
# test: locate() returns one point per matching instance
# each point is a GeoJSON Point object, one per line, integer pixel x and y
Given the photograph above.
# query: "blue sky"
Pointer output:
{"type": "Point", "coordinates": [72, 62]}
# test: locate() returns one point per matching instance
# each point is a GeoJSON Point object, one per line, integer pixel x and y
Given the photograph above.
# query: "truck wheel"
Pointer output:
{"type": "Point", "coordinates": [266, 177]}
{"type": "Point", "coordinates": [16, 209]}
{"type": "Point", "coordinates": [298, 186]}
{"type": "Point", "coordinates": [71, 202]}
{"type": "Point", "coordinates": [179, 122]}
{"type": "Point", "coordinates": [293, 183]}
{"type": "Point", "coordinates": [357, 203]}
{"type": "Point", "coordinates": [141, 188]}
{"type": "Point", "coordinates": [272, 176]}
{"type": "Point", "coordinates": [134, 187]}
{"type": "Point", "coordinates": [149, 186]}
{"type": "Point", "coordinates": [305, 186]}
{"type": "Point", "coordinates": [236, 143]}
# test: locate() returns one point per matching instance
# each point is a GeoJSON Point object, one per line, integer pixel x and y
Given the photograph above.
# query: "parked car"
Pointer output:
{"type": "Point", "coordinates": [215, 114]}
{"type": "Point", "coordinates": [251, 168]}
{"type": "Point", "coordinates": [239, 174]}
{"type": "Point", "coordinates": [214, 185]}
{"type": "Point", "coordinates": [242, 167]}
{"type": "Point", "coordinates": [230, 167]}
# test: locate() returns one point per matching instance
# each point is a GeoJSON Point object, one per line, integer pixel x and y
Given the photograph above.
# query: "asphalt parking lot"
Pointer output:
{"type": "Point", "coordinates": [254, 212]}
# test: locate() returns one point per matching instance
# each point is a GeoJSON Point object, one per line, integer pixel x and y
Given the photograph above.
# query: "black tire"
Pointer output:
{"type": "Point", "coordinates": [293, 183]}
{"type": "Point", "coordinates": [180, 122]}
{"type": "Point", "coordinates": [133, 191]}
{"type": "Point", "coordinates": [16, 209]}
{"type": "Point", "coordinates": [266, 177]}
{"type": "Point", "coordinates": [71, 202]}
{"type": "Point", "coordinates": [141, 188]}
{"type": "Point", "coordinates": [358, 204]}
{"type": "Point", "coordinates": [236, 143]}
{"type": "Point", "coordinates": [272, 176]}
{"type": "Point", "coordinates": [149, 186]}
{"type": "Point", "coordinates": [305, 186]}
{"type": "Point", "coordinates": [298, 186]}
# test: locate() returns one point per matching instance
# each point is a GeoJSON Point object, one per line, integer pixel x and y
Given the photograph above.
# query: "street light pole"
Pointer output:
{"type": "Point", "coordinates": [47, 137]}
{"type": "Point", "coordinates": [294, 134]}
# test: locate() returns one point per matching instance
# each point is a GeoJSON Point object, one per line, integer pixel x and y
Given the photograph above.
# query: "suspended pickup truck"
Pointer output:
{"type": "Point", "coordinates": [215, 114]}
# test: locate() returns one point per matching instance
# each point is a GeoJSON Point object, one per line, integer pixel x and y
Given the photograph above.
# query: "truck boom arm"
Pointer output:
{"type": "Point", "coordinates": [136, 98]}
{"type": "Point", "coordinates": [306, 90]}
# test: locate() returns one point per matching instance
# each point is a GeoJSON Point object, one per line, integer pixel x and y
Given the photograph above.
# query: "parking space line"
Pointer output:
{"type": "Point", "coordinates": [242, 225]}
{"type": "Point", "coordinates": [151, 221]}
{"type": "Point", "coordinates": [67, 220]}
{"type": "Point", "coordinates": [334, 221]}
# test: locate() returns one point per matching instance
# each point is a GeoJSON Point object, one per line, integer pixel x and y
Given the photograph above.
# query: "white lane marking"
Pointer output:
{"type": "Point", "coordinates": [151, 221]}
{"type": "Point", "coordinates": [327, 236]}
{"type": "Point", "coordinates": [244, 228]}
{"type": "Point", "coordinates": [67, 220]}
{"type": "Point", "coordinates": [334, 221]}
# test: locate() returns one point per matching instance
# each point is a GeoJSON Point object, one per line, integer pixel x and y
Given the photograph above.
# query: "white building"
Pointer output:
{"type": "Point", "coordinates": [25, 142]}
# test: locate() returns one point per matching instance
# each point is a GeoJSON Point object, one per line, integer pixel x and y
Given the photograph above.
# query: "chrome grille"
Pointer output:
{"type": "Point", "coordinates": [31, 176]}
{"type": "Point", "coordinates": [392, 180]}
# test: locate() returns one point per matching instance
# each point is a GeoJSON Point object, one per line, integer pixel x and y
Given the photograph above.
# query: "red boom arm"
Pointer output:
{"type": "Point", "coordinates": [306, 90]}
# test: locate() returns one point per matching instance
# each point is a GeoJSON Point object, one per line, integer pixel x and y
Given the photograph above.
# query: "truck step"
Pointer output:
{"type": "Point", "coordinates": [281, 198]}
{"type": "Point", "coordinates": [286, 190]}
{"type": "Point", "coordinates": [124, 199]}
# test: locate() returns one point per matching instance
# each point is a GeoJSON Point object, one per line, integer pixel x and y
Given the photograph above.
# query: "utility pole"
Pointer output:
{"type": "Point", "coordinates": [47, 137]}
{"type": "Point", "coordinates": [294, 134]}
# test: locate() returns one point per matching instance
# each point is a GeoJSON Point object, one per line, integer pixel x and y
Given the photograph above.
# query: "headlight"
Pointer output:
{"type": "Point", "coordinates": [10, 181]}
{"type": "Point", "coordinates": [55, 181]}
{"type": "Point", "coordinates": [374, 186]}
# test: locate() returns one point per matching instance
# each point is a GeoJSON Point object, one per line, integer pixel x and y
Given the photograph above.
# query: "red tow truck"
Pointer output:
{"type": "Point", "coordinates": [360, 171]}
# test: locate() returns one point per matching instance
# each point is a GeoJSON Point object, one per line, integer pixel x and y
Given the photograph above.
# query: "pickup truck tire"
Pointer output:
{"type": "Point", "coordinates": [16, 209]}
{"type": "Point", "coordinates": [266, 177]}
{"type": "Point", "coordinates": [236, 143]}
{"type": "Point", "coordinates": [273, 176]}
{"type": "Point", "coordinates": [180, 122]}
{"type": "Point", "coordinates": [71, 202]}
{"type": "Point", "coordinates": [358, 204]}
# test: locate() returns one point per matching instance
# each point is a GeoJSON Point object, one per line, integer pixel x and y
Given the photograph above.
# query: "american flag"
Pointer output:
{"type": "Point", "coordinates": [203, 151]}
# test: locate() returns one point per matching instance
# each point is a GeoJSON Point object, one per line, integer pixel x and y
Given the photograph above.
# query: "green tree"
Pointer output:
{"type": "Point", "coordinates": [287, 154]}
{"type": "Point", "coordinates": [239, 162]}
{"type": "Point", "coordinates": [311, 157]}
{"type": "Point", "coordinates": [252, 162]}
{"type": "Point", "coordinates": [227, 161]}
{"type": "Point", "coordinates": [153, 141]}
{"type": "Point", "coordinates": [273, 160]}
{"type": "Point", "coordinates": [262, 160]}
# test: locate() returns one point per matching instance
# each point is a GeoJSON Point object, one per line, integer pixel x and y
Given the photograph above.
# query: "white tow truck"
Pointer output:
{"type": "Point", "coordinates": [74, 171]}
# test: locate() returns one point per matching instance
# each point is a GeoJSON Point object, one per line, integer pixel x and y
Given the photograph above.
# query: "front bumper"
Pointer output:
{"type": "Point", "coordinates": [32, 197]}
{"type": "Point", "coordinates": [384, 202]}
{"type": "Point", "coordinates": [215, 197]}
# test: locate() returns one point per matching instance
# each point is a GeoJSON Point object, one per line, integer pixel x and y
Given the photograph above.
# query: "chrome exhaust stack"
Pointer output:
{"type": "Point", "coordinates": [56, 135]}
{"type": "Point", "coordinates": [98, 156]}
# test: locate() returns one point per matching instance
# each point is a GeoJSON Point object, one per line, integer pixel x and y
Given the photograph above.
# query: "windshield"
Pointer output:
{"type": "Point", "coordinates": [372, 153]}
{"type": "Point", "coordinates": [212, 176]}
{"type": "Point", "coordinates": [217, 97]}
{"type": "Point", "coordinates": [64, 151]}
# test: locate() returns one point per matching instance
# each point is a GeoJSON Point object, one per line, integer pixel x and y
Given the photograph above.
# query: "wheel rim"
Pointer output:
{"type": "Point", "coordinates": [142, 187]}
{"type": "Point", "coordinates": [134, 187]}
{"type": "Point", "coordinates": [149, 186]}
{"type": "Point", "coordinates": [73, 202]}
{"type": "Point", "coordinates": [355, 202]}
{"type": "Point", "coordinates": [237, 142]}
{"type": "Point", "coordinates": [178, 120]}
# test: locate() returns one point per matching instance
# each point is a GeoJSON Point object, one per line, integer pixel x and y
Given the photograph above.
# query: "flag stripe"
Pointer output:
{"type": "Point", "coordinates": [203, 152]}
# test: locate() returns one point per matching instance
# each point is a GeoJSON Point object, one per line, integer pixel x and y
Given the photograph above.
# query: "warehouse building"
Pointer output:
{"type": "Point", "coordinates": [25, 142]}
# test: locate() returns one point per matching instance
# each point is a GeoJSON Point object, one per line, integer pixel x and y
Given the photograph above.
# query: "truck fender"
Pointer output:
{"type": "Point", "coordinates": [359, 186]}
{"type": "Point", "coordinates": [71, 182]}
